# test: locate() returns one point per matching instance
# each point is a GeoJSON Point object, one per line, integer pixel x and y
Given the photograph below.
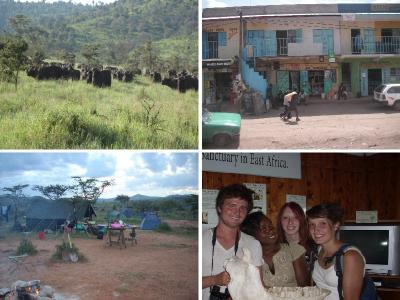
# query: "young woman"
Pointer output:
{"type": "Point", "coordinates": [284, 264]}
{"type": "Point", "coordinates": [292, 227]}
{"type": "Point", "coordinates": [324, 221]}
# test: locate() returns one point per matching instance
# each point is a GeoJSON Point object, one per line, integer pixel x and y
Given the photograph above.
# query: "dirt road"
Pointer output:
{"type": "Point", "coordinates": [349, 124]}
{"type": "Point", "coordinates": [160, 266]}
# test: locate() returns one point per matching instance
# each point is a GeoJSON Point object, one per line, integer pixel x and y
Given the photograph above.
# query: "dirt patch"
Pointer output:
{"type": "Point", "coordinates": [349, 124]}
{"type": "Point", "coordinates": [160, 266]}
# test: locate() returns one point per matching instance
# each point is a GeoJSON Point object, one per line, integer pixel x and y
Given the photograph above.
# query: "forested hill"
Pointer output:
{"type": "Point", "coordinates": [118, 28]}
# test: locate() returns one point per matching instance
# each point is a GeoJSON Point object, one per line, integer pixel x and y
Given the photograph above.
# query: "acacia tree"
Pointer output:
{"type": "Point", "coordinates": [12, 58]}
{"type": "Point", "coordinates": [123, 199]}
{"type": "Point", "coordinates": [52, 192]}
{"type": "Point", "coordinates": [89, 189]}
{"type": "Point", "coordinates": [16, 196]}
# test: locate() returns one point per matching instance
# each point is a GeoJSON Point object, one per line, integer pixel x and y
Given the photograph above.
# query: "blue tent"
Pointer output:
{"type": "Point", "coordinates": [150, 222]}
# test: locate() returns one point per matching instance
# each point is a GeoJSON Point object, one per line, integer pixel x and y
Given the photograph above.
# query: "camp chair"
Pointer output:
{"type": "Point", "coordinates": [132, 235]}
{"type": "Point", "coordinates": [18, 262]}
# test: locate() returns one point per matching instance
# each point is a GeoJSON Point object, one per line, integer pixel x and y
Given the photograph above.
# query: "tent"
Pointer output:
{"type": "Point", "coordinates": [150, 222]}
{"type": "Point", "coordinates": [51, 214]}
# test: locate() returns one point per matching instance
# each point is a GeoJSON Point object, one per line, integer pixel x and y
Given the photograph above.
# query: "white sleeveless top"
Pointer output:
{"type": "Point", "coordinates": [327, 279]}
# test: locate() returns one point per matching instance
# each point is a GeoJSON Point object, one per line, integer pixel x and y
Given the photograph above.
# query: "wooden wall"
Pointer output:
{"type": "Point", "coordinates": [358, 182]}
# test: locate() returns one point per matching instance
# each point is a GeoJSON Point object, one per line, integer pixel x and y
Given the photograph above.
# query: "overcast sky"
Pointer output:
{"type": "Point", "coordinates": [149, 173]}
{"type": "Point", "coordinates": [229, 3]}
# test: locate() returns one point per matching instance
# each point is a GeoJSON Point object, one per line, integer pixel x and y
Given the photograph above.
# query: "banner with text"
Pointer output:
{"type": "Point", "coordinates": [282, 165]}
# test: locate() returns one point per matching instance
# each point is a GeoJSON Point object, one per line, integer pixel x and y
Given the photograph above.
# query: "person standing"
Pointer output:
{"type": "Point", "coordinates": [233, 203]}
{"type": "Point", "coordinates": [284, 263]}
{"type": "Point", "coordinates": [324, 221]}
{"type": "Point", "coordinates": [292, 227]}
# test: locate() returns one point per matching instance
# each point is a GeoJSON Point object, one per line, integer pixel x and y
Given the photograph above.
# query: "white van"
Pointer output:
{"type": "Point", "coordinates": [389, 93]}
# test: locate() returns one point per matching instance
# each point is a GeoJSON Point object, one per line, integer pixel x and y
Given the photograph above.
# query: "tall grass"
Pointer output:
{"type": "Point", "coordinates": [75, 115]}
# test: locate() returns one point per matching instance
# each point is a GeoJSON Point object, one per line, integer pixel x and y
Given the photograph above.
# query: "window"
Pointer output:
{"type": "Point", "coordinates": [394, 90]}
{"type": "Point", "coordinates": [325, 37]}
{"type": "Point", "coordinates": [395, 75]}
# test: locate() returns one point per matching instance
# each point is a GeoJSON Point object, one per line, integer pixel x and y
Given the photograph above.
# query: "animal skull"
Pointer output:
{"type": "Point", "coordinates": [245, 283]}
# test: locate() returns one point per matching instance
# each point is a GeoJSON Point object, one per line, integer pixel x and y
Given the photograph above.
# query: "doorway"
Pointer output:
{"type": "Point", "coordinates": [281, 43]}
{"type": "Point", "coordinates": [346, 76]}
{"type": "Point", "coordinates": [374, 79]}
{"type": "Point", "coordinates": [316, 81]}
{"type": "Point", "coordinates": [356, 41]}
{"type": "Point", "coordinates": [223, 86]}
{"type": "Point", "coordinates": [294, 80]}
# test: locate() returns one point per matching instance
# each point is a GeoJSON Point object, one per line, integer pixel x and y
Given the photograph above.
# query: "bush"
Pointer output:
{"type": "Point", "coordinates": [58, 255]}
{"type": "Point", "coordinates": [164, 227]}
{"type": "Point", "coordinates": [26, 247]}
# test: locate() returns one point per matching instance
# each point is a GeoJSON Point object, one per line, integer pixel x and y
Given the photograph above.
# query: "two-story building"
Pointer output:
{"type": "Point", "coordinates": [308, 47]}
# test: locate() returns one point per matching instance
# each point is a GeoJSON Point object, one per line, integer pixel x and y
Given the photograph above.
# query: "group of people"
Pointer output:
{"type": "Point", "coordinates": [298, 251]}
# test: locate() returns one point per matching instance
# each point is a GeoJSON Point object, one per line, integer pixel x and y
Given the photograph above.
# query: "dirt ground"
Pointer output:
{"type": "Point", "coordinates": [160, 266]}
{"type": "Point", "coordinates": [325, 124]}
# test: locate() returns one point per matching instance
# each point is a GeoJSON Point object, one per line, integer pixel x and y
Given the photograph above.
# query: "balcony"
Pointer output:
{"type": "Point", "coordinates": [375, 45]}
{"type": "Point", "coordinates": [277, 47]}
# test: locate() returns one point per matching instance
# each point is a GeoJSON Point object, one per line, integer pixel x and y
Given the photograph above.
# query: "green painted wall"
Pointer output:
{"type": "Point", "coordinates": [391, 62]}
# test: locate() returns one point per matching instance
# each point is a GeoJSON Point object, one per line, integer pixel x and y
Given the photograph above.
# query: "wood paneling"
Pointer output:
{"type": "Point", "coordinates": [356, 182]}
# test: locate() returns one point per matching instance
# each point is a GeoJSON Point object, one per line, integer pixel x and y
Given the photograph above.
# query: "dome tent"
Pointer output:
{"type": "Point", "coordinates": [150, 222]}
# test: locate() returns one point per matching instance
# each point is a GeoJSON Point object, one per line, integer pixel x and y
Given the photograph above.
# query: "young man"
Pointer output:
{"type": "Point", "coordinates": [233, 204]}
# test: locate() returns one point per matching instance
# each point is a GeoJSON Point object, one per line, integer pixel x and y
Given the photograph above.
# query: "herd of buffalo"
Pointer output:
{"type": "Point", "coordinates": [102, 77]}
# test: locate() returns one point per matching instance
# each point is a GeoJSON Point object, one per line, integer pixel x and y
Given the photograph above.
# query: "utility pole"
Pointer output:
{"type": "Point", "coordinates": [240, 41]}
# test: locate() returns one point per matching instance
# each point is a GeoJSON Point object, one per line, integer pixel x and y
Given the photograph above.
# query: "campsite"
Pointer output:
{"type": "Point", "coordinates": [146, 255]}
{"type": "Point", "coordinates": [159, 266]}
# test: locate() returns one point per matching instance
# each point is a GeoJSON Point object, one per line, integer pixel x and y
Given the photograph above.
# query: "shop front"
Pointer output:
{"type": "Point", "coordinates": [367, 73]}
{"type": "Point", "coordinates": [218, 76]}
{"type": "Point", "coordinates": [316, 76]}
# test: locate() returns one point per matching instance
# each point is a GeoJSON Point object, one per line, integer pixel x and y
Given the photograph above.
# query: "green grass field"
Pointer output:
{"type": "Point", "coordinates": [76, 115]}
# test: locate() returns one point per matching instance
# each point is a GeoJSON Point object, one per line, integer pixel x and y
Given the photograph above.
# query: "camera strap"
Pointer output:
{"type": "Point", "coordinates": [214, 240]}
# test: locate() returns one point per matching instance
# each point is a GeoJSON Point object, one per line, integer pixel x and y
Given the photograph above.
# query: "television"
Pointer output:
{"type": "Point", "coordinates": [379, 243]}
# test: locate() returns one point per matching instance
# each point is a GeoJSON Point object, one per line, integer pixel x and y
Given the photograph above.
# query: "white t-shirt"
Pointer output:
{"type": "Point", "coordinates": [220, 255]}
{"type": "Point", "coordinates": [327, 279]}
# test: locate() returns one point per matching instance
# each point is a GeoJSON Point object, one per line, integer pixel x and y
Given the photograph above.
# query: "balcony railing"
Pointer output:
{"type": "Point", "coordinates": [211, 51]}
{"type": "Point", "coordinates": [272, 47]}
{"type": "Point", "coordinates": [376, 45]}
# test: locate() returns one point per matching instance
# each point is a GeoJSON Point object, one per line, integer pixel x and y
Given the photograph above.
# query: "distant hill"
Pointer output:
{"type": "Point", "coordinates": [137, 197]}
{"type": "Point", "coordinates": [118, 28]}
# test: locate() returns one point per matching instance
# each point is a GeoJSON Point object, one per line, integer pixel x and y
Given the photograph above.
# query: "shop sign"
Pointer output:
{"type": "Point", "coordinates": [214, 64]}
{"type": "Point", "coordinates": [331, 58]}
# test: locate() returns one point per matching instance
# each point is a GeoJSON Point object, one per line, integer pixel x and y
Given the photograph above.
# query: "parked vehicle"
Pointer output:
{"type": "Point", "coordinates": [389, 94]}
{"type": "Point", "coordinates": [221, 129]}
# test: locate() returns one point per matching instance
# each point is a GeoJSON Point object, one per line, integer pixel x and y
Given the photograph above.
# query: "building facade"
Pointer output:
{"type": "Point", "coordinates": [312, 48]}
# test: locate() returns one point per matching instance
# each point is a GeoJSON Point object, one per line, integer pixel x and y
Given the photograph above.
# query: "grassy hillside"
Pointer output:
{"type": "Point", "coordinates": [75, 115]}
{"type": "Point", "coordinates": [118, 28]}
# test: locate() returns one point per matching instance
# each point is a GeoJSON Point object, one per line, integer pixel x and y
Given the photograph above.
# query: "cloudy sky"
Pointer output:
{"type": "Point", "coordinates": [228, 3]}
{"type": "Point", "coordinates": [146, 173]}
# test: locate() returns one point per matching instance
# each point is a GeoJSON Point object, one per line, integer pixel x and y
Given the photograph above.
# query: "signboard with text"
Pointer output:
{"type": "Point", "coordinates": [282, 165]}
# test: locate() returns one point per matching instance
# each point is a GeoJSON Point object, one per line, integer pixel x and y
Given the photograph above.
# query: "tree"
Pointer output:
{"type": "Point", "coordinates": [52, 192]}
{"type": "Point", "coordinates": [16, 196]}
{"type": "Point", "coordinates": [89, 189]}
{"type": "Point", "coordinates": [91, 53]}
{"type": "Point", "coordinates": [67, 57]}
{"type": "Point", "coordinates": [123, 199]}
{"type": "Point", "coordinates": [38, 57]}
{"type": "Point", "coordinates": [12, 58]}
{"type": "Point", "coordinates": [21, 24]}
